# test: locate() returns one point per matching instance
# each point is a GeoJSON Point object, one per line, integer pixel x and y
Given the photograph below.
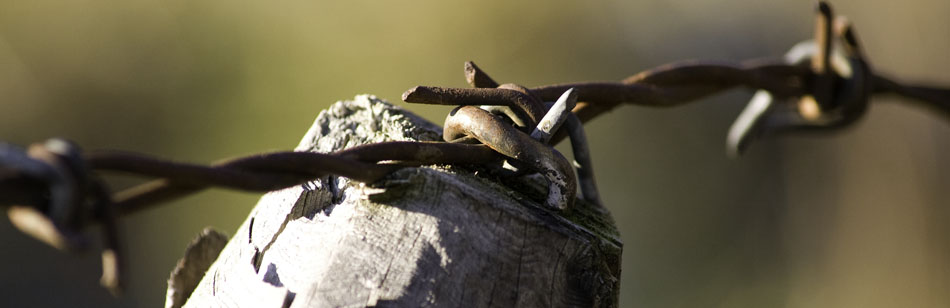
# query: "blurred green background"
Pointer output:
{"type": "Point", "coordinates": [853, 219]}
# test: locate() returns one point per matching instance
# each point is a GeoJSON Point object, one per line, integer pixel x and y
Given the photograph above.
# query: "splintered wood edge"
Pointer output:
{"type": "Point", "coordinates": [199, 256]}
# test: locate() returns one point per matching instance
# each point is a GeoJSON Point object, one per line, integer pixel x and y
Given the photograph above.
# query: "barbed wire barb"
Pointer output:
{"type": "Point", "coordinates": [52, 190]}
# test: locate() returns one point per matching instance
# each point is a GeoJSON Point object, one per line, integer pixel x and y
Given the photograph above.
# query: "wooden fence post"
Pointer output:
{"type": "Point", "coordinates": [428, 236]}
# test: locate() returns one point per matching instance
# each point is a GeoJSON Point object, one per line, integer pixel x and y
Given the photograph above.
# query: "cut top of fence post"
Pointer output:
{"type": "Point", "coordinates": [426, 236]}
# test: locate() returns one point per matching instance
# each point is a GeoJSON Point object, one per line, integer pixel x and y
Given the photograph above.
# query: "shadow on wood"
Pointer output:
{"type": "Point", "coordinates": [428, 236]}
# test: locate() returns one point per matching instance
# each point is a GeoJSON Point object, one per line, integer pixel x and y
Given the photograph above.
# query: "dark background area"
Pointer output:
{"type": "Point", "coordinates": [852, 219]}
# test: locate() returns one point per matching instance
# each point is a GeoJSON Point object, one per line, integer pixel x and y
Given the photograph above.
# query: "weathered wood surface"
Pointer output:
{"type": "Point", "coordinates": [430, 236]}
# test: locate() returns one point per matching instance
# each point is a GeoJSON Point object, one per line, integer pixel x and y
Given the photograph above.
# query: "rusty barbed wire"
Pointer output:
{"type": "Point", "coordinates": [52, 191]}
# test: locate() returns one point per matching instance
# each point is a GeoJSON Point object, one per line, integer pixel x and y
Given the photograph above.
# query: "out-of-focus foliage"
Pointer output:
{"type": "Point", "coordinates": [855, 219]}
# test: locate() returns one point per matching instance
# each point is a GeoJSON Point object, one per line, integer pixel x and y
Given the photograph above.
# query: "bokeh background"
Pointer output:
{"type": "Point", "coordinates": [853, 219]}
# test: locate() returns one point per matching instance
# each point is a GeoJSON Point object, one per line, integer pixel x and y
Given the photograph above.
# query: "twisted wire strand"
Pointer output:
{"type": "Point", "coordinates": [36, 179]}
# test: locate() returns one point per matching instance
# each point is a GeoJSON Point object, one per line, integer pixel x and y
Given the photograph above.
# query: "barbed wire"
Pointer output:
{"type": "Point", "coordinates": [52, 190]}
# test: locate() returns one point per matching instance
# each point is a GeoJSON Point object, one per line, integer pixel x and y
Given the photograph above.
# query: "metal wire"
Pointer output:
{"type": "Point", "coordinates": [52, 190]}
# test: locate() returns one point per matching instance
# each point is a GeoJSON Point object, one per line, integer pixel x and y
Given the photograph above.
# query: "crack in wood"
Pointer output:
{"type": "Point", "coordinates": [250, 231]}
{"type": "Point", "coordinates": [256, 260]}
{"type": "Point", "coordinates": [288, 299]}
{"type": "Point", "coordinates": [271, 276]}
